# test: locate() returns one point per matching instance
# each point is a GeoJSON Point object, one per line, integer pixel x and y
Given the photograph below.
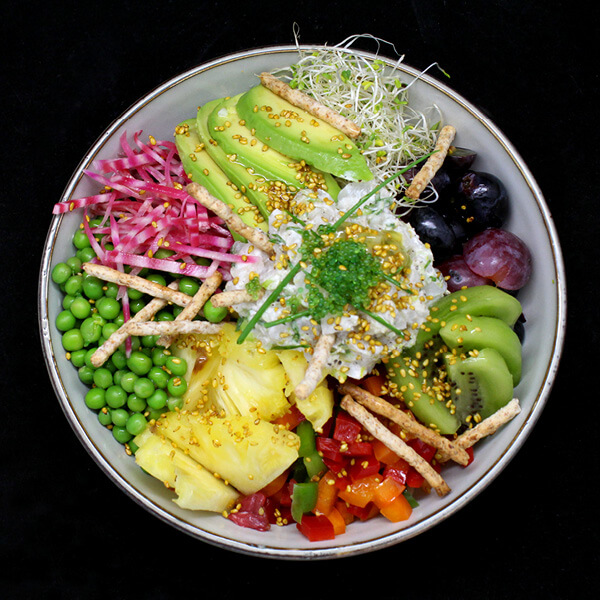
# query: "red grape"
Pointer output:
{"type": "Point", "coordinates": [459, 275]}
{"type": "Point", "coordinates": [501, 256]}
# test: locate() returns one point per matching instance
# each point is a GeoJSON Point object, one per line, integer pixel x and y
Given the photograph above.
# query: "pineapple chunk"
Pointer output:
{"type": "Point", "coordinates": [245, 451]}
{"type": "Point", "coordinates": [318, 407]}
{"type": "Point", "coordinates": [195, 487]}
{"type": "Point", "coordinates": [240, 379]}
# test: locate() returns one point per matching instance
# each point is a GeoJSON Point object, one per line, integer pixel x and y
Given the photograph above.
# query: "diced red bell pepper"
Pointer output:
{"type": "Point", "coordinates": [398, 471]}
{"type": "Point", "coordinates": [423, 449]}
{"type": "Point", "coordinates": [291, 418]}
{"type": "Point", "coordinates": [364, 467]}
{"type": "Point", "coordinates": [471, 455]}
{"type": "Point", "coordinates": [329, 448]}
{"type": "Point", "coordinates": [364, 513]}
{"type": "Point", "coordinates": [414, 479]}
{"type": "Point", "coordinates": [347, 428]}
{"type": "Point", "coordinates": [358, 449]}
{"type": "Point", "coordinates": [316, 528]}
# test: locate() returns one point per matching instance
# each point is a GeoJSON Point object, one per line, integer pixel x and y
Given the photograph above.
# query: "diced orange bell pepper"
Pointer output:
{"type": "Point", "coordinates": [337, 520]}
{"type": "Point", "coordinates": [342, 508]}
{"type": "Point", "coordinates": [398, 510]}
{"type": "Point", "coordinates": [327, 494]}
{"type": "Point", "coordinates": [373, 384]}
{"type": "Point", "coordinates": [272, 488]}
{"type": "Point", "coordinates": [387, 491]}
{"type": "Point", "coordinates": [360, 492]}
{"type": "Point", "coordinates": [383, 453]}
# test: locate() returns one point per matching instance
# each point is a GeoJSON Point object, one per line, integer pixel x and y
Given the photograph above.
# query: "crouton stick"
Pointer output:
{"type": "Point", "coordinates": [233, 297]}
{"type": "Point", "coordinates": [310, 105]}
{"type": "Point", "coordinates": [314, 370]}
{"type": "Point", "coordinates": [394, 443]}
{"type": "Point", "coordinates": [207, 289]}
{"type": "Point", "coordinates": [172, 328]}
{"type": "Point", "coordinates": [487, 427]}
{"type": "Point", "coordinates": [233, 221]}
{"type": "Point", "coordinates": [452, 450]}
{"type": "Point", "coordinates": [120, 335]}
{"type": "Point", "coordinates": [432, 164]}
{"type": "Point", "coordinates": [137, 283]}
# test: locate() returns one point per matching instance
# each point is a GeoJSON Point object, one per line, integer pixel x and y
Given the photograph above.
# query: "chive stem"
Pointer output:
{"type": "Point", "coordinates": [298, 315]}
{"type": "Point", "coordinates": [383, 322]}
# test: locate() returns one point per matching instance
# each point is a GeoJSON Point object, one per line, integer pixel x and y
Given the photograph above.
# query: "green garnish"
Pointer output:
{"type": "Point", "coordinates": [254, 288]}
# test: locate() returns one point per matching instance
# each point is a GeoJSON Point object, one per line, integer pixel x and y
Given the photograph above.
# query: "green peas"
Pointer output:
{"type": "Point", "coordinates": [188, 286]}
{"type": "Point", "coordinates": [149, 341]}
{"type": "Point", "coordinates": [85, 254]}
{"type": "Point", "coordinates": [104, 417]}
{"type": "Point", "coordinates": [73, 285]}
{"type": "Point", "coordinates": [139, 363]}
{"type": "Point", "coordinates": [134, 294]}
{"type": "Point", "coordinates": [121, 434]}
{"type": "Point", "coordinates": [164, 315]}
{"type": "Point", "coordinates": [117, 376]}
{"type": "Point", "coordinates": [136, 424]}
{"type": "Point", "coordinates": [175, 403]}
{"type": "Point", "coordinates": [160, 356]}
{"type": "Point", "coordinates": [177, 366]}
{"type": "Point", "coordinates": [119, 359]}
{"type": "Point", "coordinates": [120, 320]}
{"type": "Point", "coordinates": [78, 358]}
{"type": "Point", "coordinates": [158, 377]}
{"type": "Point", "coordinates": [91, 329]}
{"type": "Point", "coordinates": [157, 278]}
{"type": "Point", "coordinates": [158, 400]}
{"type": "Point", "coordinates": [80, 308]}
{"type": "Point", "coordinates": [111, 289]}
{"type": "Point", "coordinates": [108, 329]}
{"type": "Point", "coordinates": [74, 263]}
{"type": "Point", "coordinates": [81, 240]}
{"type": "Point", "coordinates": [108, 308]}
{"type": "Point", "coordinates": [135, 403]}
{"type": "Point", "coordinates": [127, 381]}
{"type": "Point", "coordinates": [136, 305]}
{"type": "Point", "coordinates": [103, 378]}
{"type": "Point", "coordinates": [119, 417]}
{"type": "Point", "coordinates": [72, 340]}
{"type": "Point", "coordinates": [65, 320]}
{"type": "Point", "coordinates": [67, 301]}
{"type": "Point", "coordinates": [92, 287]}
{"type": "Point", "coordinates": [86, 374]}
{"type": "Point", "coordinates": [95, 398]}
{"type": "Point", "coordinates": [143, 387]}
{"type": "Point", "coordinates": [176, 386]}
{"type": "Point", "coordinates": [61, 272]}
{"type": "Point", "coordinates": [213, 313]}
{"type": "Point", "coordinates": [116, 396]}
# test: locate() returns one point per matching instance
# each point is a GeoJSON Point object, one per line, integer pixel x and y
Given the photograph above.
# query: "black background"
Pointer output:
{"type": "Point", "coordinates": [66, 531]}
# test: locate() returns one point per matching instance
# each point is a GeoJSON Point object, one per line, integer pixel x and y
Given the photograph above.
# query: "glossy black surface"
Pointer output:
{"type": "Point", "coordinates": [66, 531]}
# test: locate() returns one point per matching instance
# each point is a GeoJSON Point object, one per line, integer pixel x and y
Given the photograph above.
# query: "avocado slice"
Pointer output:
{"type": "Point", "coordinates": [465, 333]}
{"type": "Point", "coordinates": [299, 135]}
{"type": "Point", "coordinates": [242, 147]}
{"type": "Point", "coordinates": [202, 169]}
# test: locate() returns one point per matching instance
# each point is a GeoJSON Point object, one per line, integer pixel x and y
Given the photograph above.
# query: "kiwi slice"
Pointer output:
{"type": "Point", "coordinates": [481, 383]}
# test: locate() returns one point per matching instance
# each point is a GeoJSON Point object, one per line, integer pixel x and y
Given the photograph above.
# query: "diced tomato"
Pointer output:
{"type": "Point", "coordinates": [364, 467]}
{"type": "Point", "coordinates": [316, 528]}
{"type": "Point", "coordinates": [347, 428]}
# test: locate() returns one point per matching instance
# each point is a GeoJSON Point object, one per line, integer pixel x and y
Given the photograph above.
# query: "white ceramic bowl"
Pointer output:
{"type": "Point", "coordinates": [543, 299]}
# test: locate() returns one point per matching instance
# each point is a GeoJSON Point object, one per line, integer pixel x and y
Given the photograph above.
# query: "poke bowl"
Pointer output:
{"type": "Point", "coordinates": [157, 114]}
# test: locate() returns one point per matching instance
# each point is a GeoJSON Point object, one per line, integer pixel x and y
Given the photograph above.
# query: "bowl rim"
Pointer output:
{"type": "Point", "coordinates": [341, 550]}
